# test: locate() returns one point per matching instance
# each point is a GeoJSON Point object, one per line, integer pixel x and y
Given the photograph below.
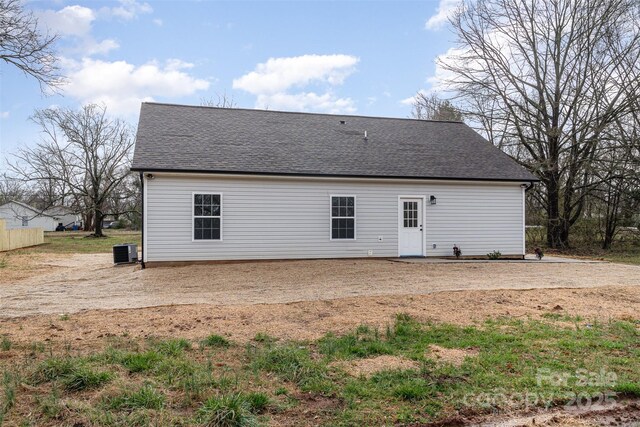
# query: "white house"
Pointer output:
{"type": "Point", "coordinates": [68, 217]}
{"type": "Point", "coordinates": [20, 215]}
{"type": "Point", "coordinates": [236, 184]}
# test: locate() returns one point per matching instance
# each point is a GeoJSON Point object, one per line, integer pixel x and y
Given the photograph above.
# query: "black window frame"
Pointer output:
{"type": "Point", "coordinates": [202, 211]}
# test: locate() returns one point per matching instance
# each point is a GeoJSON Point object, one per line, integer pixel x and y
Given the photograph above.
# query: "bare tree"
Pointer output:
{"type": "Point", "coordinates": [551, 76]}
{"type": "Point", "coordinates": [11, 189]}
{"type": "Point", "coordinates": [125, 203]}
{"type": "Point", "coordinates": [85, 154]}
{"type": "Point", "coordinates": [617, 195]}
{"type": "Point", "coordinates": [431, 107]}
{"type": "Point", "coordinates": [23, 45]}
{"type": "Point", "coordinates": [221, 101]}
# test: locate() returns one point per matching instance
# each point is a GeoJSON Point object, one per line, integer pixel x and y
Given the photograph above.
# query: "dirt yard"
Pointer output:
{"type": "Point", "coordinates": [68, 284]}
{"type": "Point", "coordinates": [293, 299]}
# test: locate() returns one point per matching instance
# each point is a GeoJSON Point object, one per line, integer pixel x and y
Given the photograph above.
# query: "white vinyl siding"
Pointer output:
{"type": "Point", "coordinates": [15, 214]}
{"type": "Point", "coordinates": [278, 218]}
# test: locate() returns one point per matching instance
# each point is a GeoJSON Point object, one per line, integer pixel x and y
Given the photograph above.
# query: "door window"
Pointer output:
{"type": "Point", "coordinates": [410, 214]}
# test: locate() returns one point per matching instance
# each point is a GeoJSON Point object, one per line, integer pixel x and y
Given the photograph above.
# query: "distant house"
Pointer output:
{"type": "Point", "coordinates": [66, 216]}
{"type": "Point", "coordinates": [232, 184]}
{"type": "Point", "coordinates": [20, 215]}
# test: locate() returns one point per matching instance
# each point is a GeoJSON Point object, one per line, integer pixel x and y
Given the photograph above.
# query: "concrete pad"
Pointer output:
{"type": "Point", "coordinates": [529, 258]}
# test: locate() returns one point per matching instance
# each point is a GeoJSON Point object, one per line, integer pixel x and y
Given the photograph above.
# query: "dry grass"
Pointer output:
{"type": "Point", "coordinates": [368, 367]}
{"type": "Point", "coordinates": [454, 356]}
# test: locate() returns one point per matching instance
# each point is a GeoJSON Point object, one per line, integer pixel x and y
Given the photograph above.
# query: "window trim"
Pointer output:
{"type": "Point", "coordinates": [193, 216]}
{"type": "Point", "coordinates": [355, 216]}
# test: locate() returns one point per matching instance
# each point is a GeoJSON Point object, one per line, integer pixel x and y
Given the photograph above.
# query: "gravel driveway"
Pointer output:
{"type": "Point", "coordinates": [82, 282]}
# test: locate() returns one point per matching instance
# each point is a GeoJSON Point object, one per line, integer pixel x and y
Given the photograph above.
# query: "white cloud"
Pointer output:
{"type": "Point", "coordinates": [69, 21]}
{"type": "Point", "coordinates": [122, 86]}
{"type": "Point", "coordinates": [159, 22]}
{"type": "Point", "coordinates": [446, 9]}
{"type": "Point", "coordinates": [127, 10]}
{"type": "Point", "coordinates": [91, 47]}
{"type": "Point", "coordinates": [273, 80]}
{"type": "Point", "coordinates": [4, 114]}
{"type": "Point", "coordinates": [75, 22]}
{"type": "Point", "coordinates": [410, 100]}
{"type": "Point", "coordinates": [306, 101]}
{"type": "Point", "coordinates": [279, 74]}
{"type": "Point", "coordinates": [441, 79]}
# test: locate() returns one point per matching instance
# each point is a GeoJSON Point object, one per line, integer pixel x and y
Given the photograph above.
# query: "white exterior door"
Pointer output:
{"type": "Point", "coordinates": [411, 237]}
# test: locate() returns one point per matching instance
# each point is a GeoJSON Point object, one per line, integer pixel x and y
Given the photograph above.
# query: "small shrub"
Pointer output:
{"type": "Point", "coordinates": [494, 255]}
{"type": "Point", "coordinates": [257, 401]}
{"type": "Point", "coordinates": [3, 262]}
{"type": "Point", "coordinates": [231, 410]}
{"type": "Point", "coordinates": [172, 347]}
{"type": "Point", "coordinates": [5, 344]}
{"type": "Point", "coordinates": [85, 378]}
{"type": "Point", "coordinates": [146, 397]}
{"type": "Point", "coordinates": [216, 341]}
{"type": "Point", "coordinates": [64, 317]}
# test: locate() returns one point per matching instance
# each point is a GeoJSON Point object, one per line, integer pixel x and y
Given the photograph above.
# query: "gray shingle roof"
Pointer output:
{"type": "Point", "coordinates": [208, 139]}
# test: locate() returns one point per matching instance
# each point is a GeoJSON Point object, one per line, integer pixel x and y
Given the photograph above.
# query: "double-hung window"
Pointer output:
{"type": "Point", "coordinates": [207, 216]}
{"type": "Point", "coordinates": [343, 217]}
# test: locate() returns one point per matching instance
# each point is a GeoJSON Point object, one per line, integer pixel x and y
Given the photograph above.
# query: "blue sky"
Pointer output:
{"type": "Point", "coordinates": [355, 57]}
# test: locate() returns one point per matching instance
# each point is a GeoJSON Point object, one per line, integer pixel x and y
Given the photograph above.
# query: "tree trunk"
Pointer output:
{"type": "Point", "coordinates": [611, 219]}
{"type": "Point", "coordinates": [86, 222]}
{"type": "Point", "coordinates": [97, 218]}
{"type": "Point", "coordinates": [557, 227]}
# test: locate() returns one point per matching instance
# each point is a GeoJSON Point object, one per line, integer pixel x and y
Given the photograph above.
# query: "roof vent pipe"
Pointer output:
{"type": "Point", "coordinates": [365, 135]}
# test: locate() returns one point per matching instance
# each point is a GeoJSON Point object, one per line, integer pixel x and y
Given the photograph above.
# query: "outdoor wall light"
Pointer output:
{"type": "Point", "coordinates": [432, 200]}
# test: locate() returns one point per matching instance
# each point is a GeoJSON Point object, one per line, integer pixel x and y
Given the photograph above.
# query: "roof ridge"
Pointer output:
{"type": "Point", "coordinates": [169, 104]}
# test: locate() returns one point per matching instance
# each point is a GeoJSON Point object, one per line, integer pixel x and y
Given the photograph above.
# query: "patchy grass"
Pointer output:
{"type": "Point", "coordinates": [75, 374]}
{"type": "Point", "coordinates": [5, 344]}
{"type": "Point", "coordinates": [630, 256]}
{"type": "Point", "coordinates": [146, 397]}
{"type": "Point", "coordinates": [232, 410]}
{"type": "Point", "coordinates": [627, 253]}
{"type": "Point", "coordinates": [69, 242]}
{"type": "Point", "coordinates": [177, 382]}
{"type": "Point", "coordinates": [216, 341]}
